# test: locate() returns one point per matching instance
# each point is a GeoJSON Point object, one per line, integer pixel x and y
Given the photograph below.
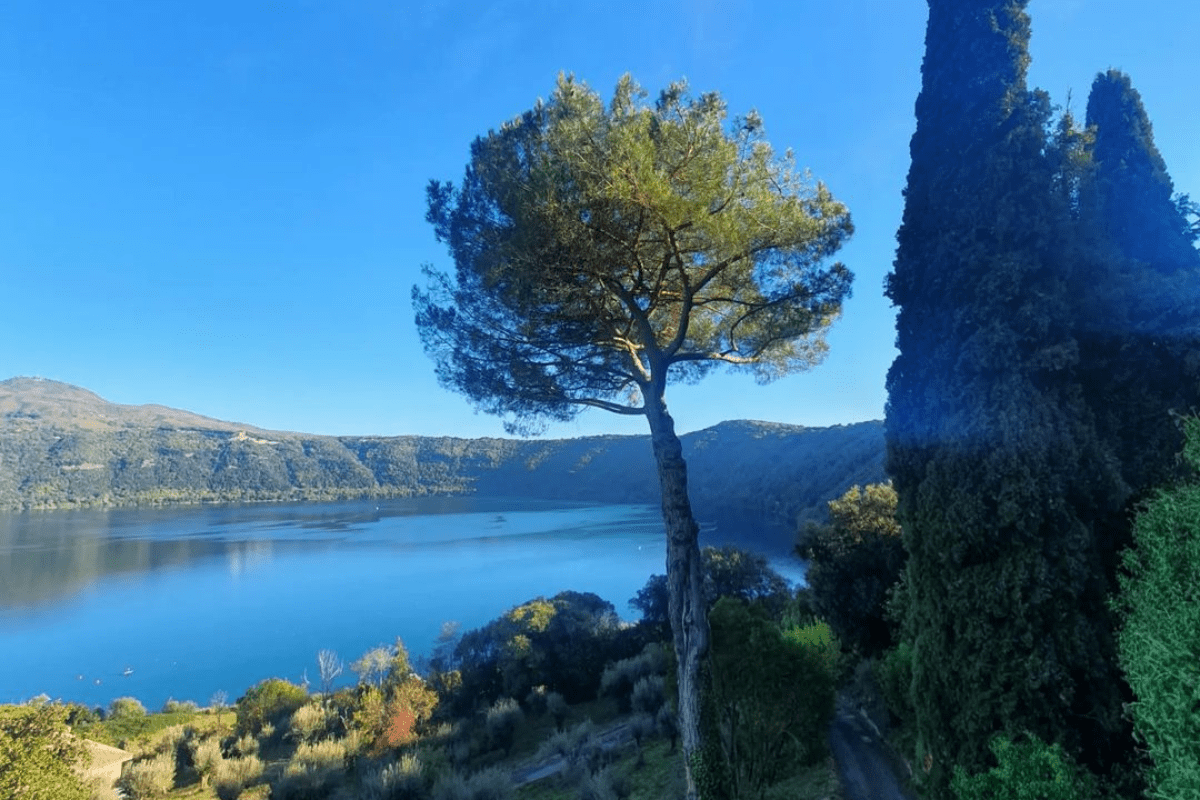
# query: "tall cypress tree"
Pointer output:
{"type": "Point", "coordinates": [1138, 328]}
{"type": "Point", "coordinates": [991, 444]}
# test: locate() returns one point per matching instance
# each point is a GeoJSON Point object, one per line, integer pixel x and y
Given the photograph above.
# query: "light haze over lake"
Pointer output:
{"type": "Point", "coordinates": [200, 599]}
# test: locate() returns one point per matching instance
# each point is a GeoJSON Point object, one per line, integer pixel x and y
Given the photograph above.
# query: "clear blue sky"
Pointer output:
{"type": "Point", "coordinates": [219, 205]}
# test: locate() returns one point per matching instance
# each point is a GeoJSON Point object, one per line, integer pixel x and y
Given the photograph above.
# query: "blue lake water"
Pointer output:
{"type": "Point", "coordinates": [158, 603]}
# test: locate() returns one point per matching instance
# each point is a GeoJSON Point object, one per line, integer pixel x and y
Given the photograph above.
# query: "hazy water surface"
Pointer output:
{"type": "Point", "coordinates": [192, 601]}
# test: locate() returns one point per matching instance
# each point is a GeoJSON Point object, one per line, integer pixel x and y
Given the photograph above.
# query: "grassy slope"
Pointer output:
{"type": "Point", "coordinates": [658, 775]}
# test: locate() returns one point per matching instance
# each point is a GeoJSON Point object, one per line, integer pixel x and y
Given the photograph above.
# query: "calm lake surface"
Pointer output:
{"type": "Point", "coordinates": [159, 603]}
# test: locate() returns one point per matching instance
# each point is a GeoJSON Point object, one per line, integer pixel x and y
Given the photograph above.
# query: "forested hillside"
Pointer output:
{"type": "Point", "coordinates": [62, 446]}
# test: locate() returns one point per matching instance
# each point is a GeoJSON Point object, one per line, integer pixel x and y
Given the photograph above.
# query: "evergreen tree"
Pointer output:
{"type": "Point", "coordinates": [1138, 330]}
{"type": "Point", "coordinates": [1160, 641]}
{"type": "Point", "coordinates": [1133, 190]}
{"type": "Point", "coordinates": [604, 252]}
{"type": "Point", "coordinates": [991, 444]}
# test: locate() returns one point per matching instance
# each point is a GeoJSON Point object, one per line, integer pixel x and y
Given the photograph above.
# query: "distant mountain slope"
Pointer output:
{"type": "Point", "coordinates": [63, 446]}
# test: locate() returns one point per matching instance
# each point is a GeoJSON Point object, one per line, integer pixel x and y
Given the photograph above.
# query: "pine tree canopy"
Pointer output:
{"type": "Point", "coordinates": [596, 247]}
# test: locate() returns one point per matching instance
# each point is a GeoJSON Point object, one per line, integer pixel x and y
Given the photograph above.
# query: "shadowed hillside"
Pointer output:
{"type": "Point", "coordinates": [62, 446]}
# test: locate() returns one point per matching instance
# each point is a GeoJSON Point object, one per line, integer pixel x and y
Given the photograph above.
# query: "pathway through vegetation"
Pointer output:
{"type": "Point", "coordinates": [865, 766]}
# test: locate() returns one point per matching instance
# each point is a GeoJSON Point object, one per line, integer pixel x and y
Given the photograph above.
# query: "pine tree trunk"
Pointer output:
{"type": "Point", "coordinates": [685, 585]}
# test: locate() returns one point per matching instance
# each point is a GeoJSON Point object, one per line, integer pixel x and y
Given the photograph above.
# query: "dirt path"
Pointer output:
{"type": "Point", "coordinates": [864, 764]}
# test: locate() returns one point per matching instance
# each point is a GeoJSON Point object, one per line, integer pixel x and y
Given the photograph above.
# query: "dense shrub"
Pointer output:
{"type": "Point", "coordinates": [728, 572]}
{"type": "Point", "coordinates": [854, 562]}
{"type": "Point", "coordinates": [502, 720]}
{"type": "Point", "coordinates": [234, 774]}
{"type": "Point", "coordinates": [561, 643]}
{"type": "Point", "coordinates": [173, 706]}
{"type": "Point", "coordinates": [272, 701]}
{"type": "Point", "coordinates": [556, 707]}
{"type": "Point", "coordinates": [819, 641]}
{"type": "Point", "coordinates": [772, 694]}
{"type": "Point", "coordinates": [126, 708]}
{"type": "Point", "coordinates": [37, 759]}
{"type": "Point", "coordinates": [1159, 645]}
{"type": "Point", "coordinates": [894, 674]}
{"type": "Point", "coordinates": [648, 695]}
{"type": "Point", "coordinates": [307, 723]}
{"type": "Point", "coordinates": [620, 677]}
{"type": "Point", "coordinates": [1026, 769]}
{"type": "Point", "coordinates": [149, 777]}
{"type": "Point", "coordinates": [490, 784]}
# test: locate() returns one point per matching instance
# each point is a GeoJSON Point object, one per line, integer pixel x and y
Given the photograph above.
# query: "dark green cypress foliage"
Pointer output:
{"type": "Point", "coordinates": [1133, 190]}
{"type": "Point", "coordinates": [991, 445]}
{"type": "Point", "coordinates": [1139, 332]}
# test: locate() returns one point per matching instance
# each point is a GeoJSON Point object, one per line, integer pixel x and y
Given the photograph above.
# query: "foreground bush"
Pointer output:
{"type": "Point", "coordinates": [1028, 769]}
{"type": "Point", "coordinates": [37, 758]}
{"type": "Point", "coordinates": [894, 673]}
{"type": "Point", "coordinates": [1160, 644]}
{"type": "Point", "coordinates": [403, 779]}
{"type": "Point", "coordinates": [234, 774]}
{"type": "Point", "coordinates": [316, 771]}
{"type": "Point", "coordinates": [773, 695]}
{"type": "Point", "coordinates": [149, 778]}
{"type": "Point", "coordinates": [490, 784]}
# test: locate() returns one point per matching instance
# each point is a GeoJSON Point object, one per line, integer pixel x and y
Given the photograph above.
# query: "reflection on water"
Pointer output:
{"type": "Point", "coordinates": [159, 603]}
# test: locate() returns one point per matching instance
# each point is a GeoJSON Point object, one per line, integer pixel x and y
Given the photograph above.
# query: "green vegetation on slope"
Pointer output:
{"type": "Point", "coordinates": [458, 733]}
{"type": "Point", "coordinates": [58, 451]}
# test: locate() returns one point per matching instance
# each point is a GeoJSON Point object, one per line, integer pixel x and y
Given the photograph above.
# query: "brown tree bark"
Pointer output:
{"type": "Point", "coordinates": [685, 580]}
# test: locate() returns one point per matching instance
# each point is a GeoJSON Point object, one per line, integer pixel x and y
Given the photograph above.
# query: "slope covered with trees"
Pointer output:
{"type": "Point", "coordinates": [61, 446]}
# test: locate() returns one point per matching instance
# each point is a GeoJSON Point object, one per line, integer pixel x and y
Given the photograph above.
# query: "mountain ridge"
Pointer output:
{"type": "Point", "coordinates": [63, 446]}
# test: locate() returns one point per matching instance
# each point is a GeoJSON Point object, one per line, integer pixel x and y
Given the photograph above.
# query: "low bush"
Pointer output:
{"type": "Point", "coordinates": [307, 782]}
{"type": "Point", "coordinates": [327, 754]}
{"type": "Point", "coordinates": [403, 779]}
{"type": "Point", "coordinates": [126, 708]}
{"type": "Point", "coordinates": [243, 746]}
{"type": "Point", "coordinates": [205, 756]}
{"type": "Point", "coordinates": [272, 701]}
{"type": "Point", "coordinates": [234, 774]}
{"type": "Point", "coordinates": [149, 777]}
{"type": "Point", "coordinates": [649, 695]}
{"type": "Point", "coordinates": [490, 784]}
{"type": "Point", "coordinates": [535, 701]}
{"type": "Point", "coordinates": [1028, 768]}
{"type": "Point", "coordinates": [894, 674]}
{"type": "Point", "coordinates": [173, 706]}
{"type": "Point", "coordinates": [556, 706]}
{"type": "Point", "coordinates": [502, 720]}
{"type": "Point", "coordinates": [604, 784]}
{"type": "Point", "coordinates": [307, 723]}
{"type": "Point", "coordinates": [620, 677]}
